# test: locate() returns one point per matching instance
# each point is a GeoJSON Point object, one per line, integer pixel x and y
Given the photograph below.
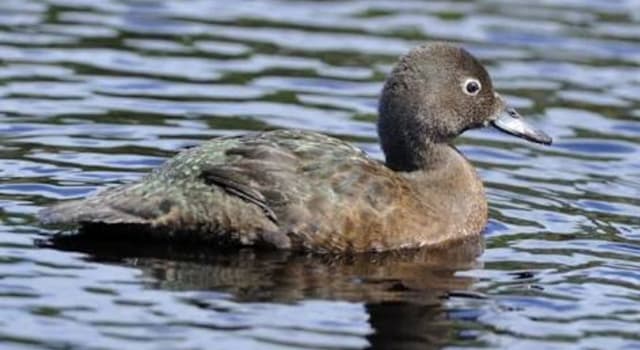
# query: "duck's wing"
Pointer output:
{"type": "Point", "coordinates": [281, 187]}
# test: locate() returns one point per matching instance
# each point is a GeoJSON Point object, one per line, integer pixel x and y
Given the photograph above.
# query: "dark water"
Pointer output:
{"type": "Point", "coordinates": [95, 93]}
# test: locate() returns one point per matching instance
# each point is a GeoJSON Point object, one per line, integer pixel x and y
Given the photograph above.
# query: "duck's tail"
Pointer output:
{"type": "Point", "coordinates": [163, 212]}
{"type": "Point", "coordinates": [121, 205]}
{"type": "Point", "coordinates": [83, 211]}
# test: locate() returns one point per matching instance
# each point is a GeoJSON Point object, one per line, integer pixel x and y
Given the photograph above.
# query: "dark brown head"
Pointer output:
{"type": "Point", "coordinates": [435, 93]}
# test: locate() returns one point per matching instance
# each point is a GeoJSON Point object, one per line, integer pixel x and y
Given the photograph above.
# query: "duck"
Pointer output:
{"type": "Point", "coordinates": [305, 191]}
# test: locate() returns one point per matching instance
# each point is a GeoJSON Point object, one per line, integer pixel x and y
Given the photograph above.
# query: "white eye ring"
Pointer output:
{"type": "Point", "coordinates": [471, 87]}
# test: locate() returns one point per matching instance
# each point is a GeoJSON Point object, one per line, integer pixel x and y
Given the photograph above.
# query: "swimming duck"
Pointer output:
{"type": "Point", "coordinates": [302, 190]}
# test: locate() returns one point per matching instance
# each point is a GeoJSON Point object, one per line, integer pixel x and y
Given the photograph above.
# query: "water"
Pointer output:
{"type": "Point", "coordinates": [96, 93]}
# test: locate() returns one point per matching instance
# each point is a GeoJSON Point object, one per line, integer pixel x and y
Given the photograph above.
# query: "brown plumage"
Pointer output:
{"type": "Point", "coordinates": [301, 190]}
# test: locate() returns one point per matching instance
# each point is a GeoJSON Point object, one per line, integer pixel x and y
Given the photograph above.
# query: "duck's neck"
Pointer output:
{"type": "Point", "coordinates": [414, 150]}
{"type": "Point", "coordinates": [408, 128]}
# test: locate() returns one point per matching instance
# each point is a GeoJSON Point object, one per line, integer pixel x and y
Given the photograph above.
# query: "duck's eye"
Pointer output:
{"type": "Point", "coordinates": [471, 87]}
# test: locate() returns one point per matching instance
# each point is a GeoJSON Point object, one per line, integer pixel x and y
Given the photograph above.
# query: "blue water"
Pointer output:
{"type": "Point", "coordinates": [97, 93]}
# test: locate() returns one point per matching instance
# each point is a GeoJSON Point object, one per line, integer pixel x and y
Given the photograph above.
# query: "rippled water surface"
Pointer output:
{"type": "Point", "coordinates": [96, 93]}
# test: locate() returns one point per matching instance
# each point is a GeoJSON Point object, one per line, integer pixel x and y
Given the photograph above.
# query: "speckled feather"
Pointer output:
{"type": "Point", "coordinates": [323, 193]}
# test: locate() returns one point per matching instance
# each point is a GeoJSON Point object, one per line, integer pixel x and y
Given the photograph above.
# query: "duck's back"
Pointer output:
{"type": "Point", "coordinates": [289, 189]}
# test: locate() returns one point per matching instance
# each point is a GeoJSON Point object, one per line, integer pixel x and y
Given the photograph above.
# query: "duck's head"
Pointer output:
{"type": "Point", "coordinates": [436, 92]}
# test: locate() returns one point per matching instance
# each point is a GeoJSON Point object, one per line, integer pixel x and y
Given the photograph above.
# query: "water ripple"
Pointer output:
{"type": "Point", "coordinates": [98, 93]}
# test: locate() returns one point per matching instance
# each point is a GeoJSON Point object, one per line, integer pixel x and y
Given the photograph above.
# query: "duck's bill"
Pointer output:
{"type": "Point", "coordinates": [512, 123]}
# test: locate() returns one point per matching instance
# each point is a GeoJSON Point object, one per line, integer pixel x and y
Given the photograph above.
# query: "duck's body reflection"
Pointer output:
{"type": "Point", "coordinates": [403, 291]}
